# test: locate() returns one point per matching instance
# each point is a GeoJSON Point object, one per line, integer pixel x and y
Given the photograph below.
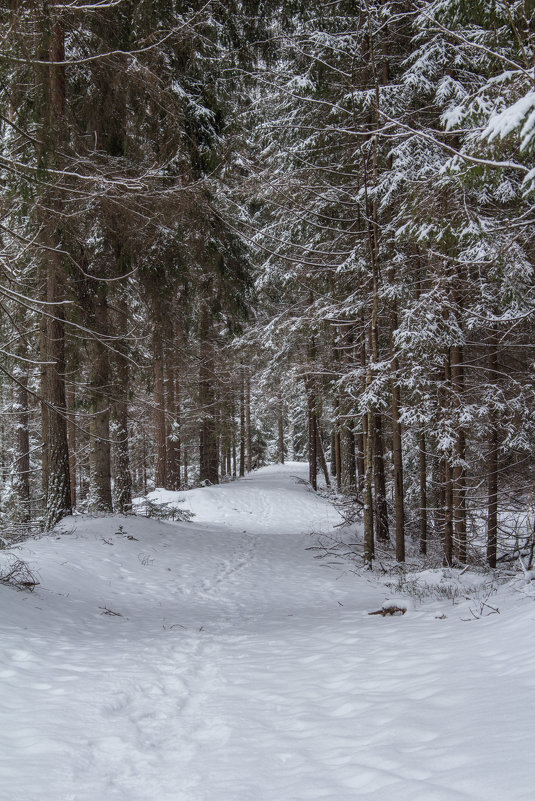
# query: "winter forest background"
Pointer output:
{"type": "Point", "coordinates": [237, 231]}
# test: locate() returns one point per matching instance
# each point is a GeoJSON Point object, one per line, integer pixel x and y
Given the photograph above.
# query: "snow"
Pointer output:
{"type": "Point", "coordinates": [504, 122]}
{"type": "Point", "coordinates": [217, 660]}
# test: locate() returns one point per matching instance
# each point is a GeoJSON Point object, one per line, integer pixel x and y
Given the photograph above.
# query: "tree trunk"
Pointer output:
{"type": "Point", "coordinates": [361, 436]}
{"type": "Point", "coordinates": [121, 451]}
{"type": "Point", "coordinates": [43, 348]}
{"type": "Point", "coordinates": [242, 422]}
{"type": "Point", "coordinates": [347, 451]}
{"type": "Point", "coordinates": [2, 435]}
{"type": "Point", "coordinates": [280, 426]}
{"type": "Point", "coordinates": [234, 456]}
{"type": "Point", "coordinates": [333, 453]}
{"type": "Point", "coordinates": [369, 547]}
{"type": "Point", "coordinates": [160, 439]}
{"type": "Point", "coordinates": [209, 442]}
{"type": "Point", "coordinates": [99, 425]}
{"type": "Point", "coordinates": [397, 448]}
{"type": "Point", "coordinates": [186, 466]}
{"type": "Point", "coordinates": [492, 463]}
{"type": "Point", "coordinates": [381, 509]}
{"type": "Point", "coordinates": [448, 513]}
{"type": "Point", "coordinates": [58, 498]}
{"type": "Point", "coordinates": [321, 455]}
{"type": "Point", "coordinates": [58, 502]}
{"type": "Point", "coordinates": [21, 454]}
{"type": "Point", "coordinates": [423, 493]}
{"type": "Point", "coordinates": [122, 474]}
{"type": "Point", "coordinates": [248, 421]}
{"type": "Point", "coordinates": [172, 472]}
{"type": "Point", "coordinates": [459, 476]}
{"type": "Point", "coordinates": [361, 469]}
{"type": "Point", "coordinates": [178, 419]}
{"type": "Point", "coordinates": [336, 456]}
{"type": "Point", "coordinates": [398, 471]}
{"type": "Point", "coordinates": [71, 437]}
{"type": "Point", "coordinates": [312, 436]}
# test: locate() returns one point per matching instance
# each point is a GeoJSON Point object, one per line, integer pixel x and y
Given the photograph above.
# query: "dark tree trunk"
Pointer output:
{"type": "Point", "coordinates": [209, 441]}
{"type": "Point", "coordinates": [492, 463]}
{"type": "Point", "coordinates": [280, 427]}
{"type": "Point", "coordinates": [336, 456]}
{"type": "Point", "coordinates": [361, 436]}
{"type": "Point", "coordinates": [423, 492]}
{"type": "Point", "coordinates": [459, 473]}
{"type": "Point", "coordinates": [99, 425]}
{"type": "Point", "coordinates": [242, 422]}
{"type": "Point", "coordinates": [381, 509]}
{"type": "Point", "coordinates": [448, 513]}
{"type": "Point", "coordinates": [160, 439]}
{"type": "Point", "coordinates": [178, 418]}
{"type": "Point", "coordinates": [312, 436]}
{"type": "Point", "coordinates": [361, 468]}
{"type": "Point", "coordinates": [348, 465]}
{"type": "Point", "coordinates": [58, 495]}
{"type": "Point", "coordinates": [185, 466]}
{"type": "Point", "coordinates": [397, 448]}
{"type": "Point", "coordinates": [71, 437]}
{"type": "Point", "coordinates": [58, 502]}
{"type": "Point", "coordinates": [369, 546]}
{"type": "Point", "coordinates": [399, 491]}
{"type": "Point", "coordinates": [122, 474]}
{"type": "Point", "coordinates": [172, 473]}
{"type": "Point", "coordinates": [121, 451]}
{"type": "Point", "coordinates": [234, 457]}
{"type": "Point", "coordinates": [321, 455]}
{"type": "Point", "coordinates": [43, 370]}
{"type": "Point", "coordinates": [248, 431]}
{"type": "Point", "coordinates": [21, 455]}
{"type": "Point", "coordinates": [447, 473]}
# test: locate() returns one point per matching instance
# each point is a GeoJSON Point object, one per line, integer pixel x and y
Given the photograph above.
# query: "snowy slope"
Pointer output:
{"type": "Point", "coordinates": [238, 668]}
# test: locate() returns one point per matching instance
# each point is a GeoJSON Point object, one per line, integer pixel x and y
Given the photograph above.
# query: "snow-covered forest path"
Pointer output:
{"type": "Point", "coordinates": [219, 661]}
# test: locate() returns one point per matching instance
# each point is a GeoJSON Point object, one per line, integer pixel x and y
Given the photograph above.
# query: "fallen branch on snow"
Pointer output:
{"type": "Point", "coordinates": [389, 610]}
{"type": "Point", "coordinates": [16, 573]}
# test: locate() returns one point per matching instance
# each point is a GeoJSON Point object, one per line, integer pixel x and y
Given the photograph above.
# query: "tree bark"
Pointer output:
{"type": "Point", "coordinates": [242, 421]}
{"type": "Point", "coordinates": [423, 492]}
{"type": "Point", "coordinates": [348, 463]}
{"type": "Point", "coordinates": [336, 447]}
{"type": "Point", "coordinates": [71, 437]}
{"type": "Point", "coordinates": [21, 454]}
{"type": "Point", "coordinates": [58, 501]}
{"type": "Point", "coordinates": [172, 449]}
{"type": "Point", "coordinates": [381, 509]}
{"type": "Point", "coordinates": [369, 545]}
{"type": "Point", "coordinates": [248, 421]}
{"type": "Point", "coordinates": [312, 435]}
{"type": "Point", "coordinates": [399, 491]}
{"type": "Point", "coordinates": [209, 461]}
{"type": "Point", "coordinates": [280, 426]}
{"type": "Point", "coordinates": [321, 455]}
{"type": "Point", "coordinates": [448, 513]}
{"type": "Point", "coordinates": [493, 461]}
{"type": "Point", "coordinates": [397, 447]}
{"type": "Point", "coordinates": [185, 467]}
{"type": "Point", "coordinates": [99, 425]}
{"type": "Point", "coordinates": [58, 495]}
{"type": "Point", "coordinates": [459, 473]}
{"type": "Point", "coordinates": [160, 439]}
{"type": "Point", "coordinates": [121, 450]}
